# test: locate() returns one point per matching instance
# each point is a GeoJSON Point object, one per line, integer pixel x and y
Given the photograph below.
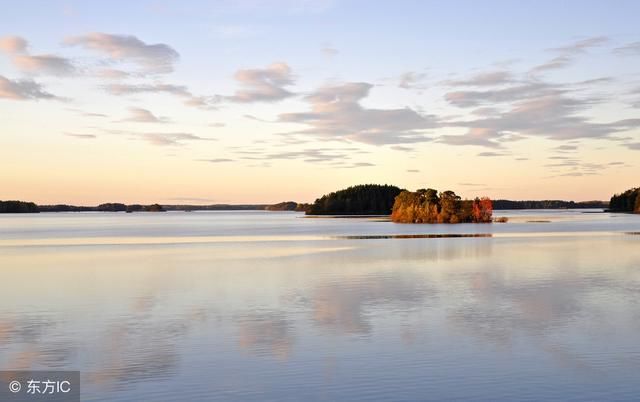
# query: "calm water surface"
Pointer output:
{"type": "Point", "coordinates": [264, 306]}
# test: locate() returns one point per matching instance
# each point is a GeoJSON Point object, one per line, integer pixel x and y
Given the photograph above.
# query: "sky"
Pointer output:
{"type": "Point", "coordinates": [265, 101]}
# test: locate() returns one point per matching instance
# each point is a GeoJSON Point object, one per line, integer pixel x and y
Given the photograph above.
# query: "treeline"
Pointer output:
{"type": "Point", "coordinates": [18, 207]}
{"type": "Point", "coordinates": [366, 199]}
{"type": "Point", "coordinates": [288, 206]}
{"type": "Point", "coordinates": [629, 201]}
{"type": "Point", "coordinates": [548, 204]}
{"type": "Point", "coordinates": [429, 206]}
{"type": "Point", "coordinates": [216, 207]}
{"type": "Point", "coordinates": [23, 207]}
{"type": "Point", "coordinates": [108, 207]}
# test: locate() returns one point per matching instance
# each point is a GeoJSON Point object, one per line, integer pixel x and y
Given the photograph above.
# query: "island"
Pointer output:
{"type": "Point", "coordinates": [288, 206]}
{"type": "Point", "coordinates": [18, 207]}
{"type": "Point", "coordinates": [429, 206]}
{"type": "Point", "coordinates": [628, 201]}
{"type": "Point", "coordinates": [364, 199]}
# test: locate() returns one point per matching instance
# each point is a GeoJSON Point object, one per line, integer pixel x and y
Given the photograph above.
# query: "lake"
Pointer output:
{"type": "Point", "coordinates": [260, 306]}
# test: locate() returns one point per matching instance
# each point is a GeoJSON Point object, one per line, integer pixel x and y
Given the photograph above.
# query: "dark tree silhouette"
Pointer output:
{"type": "Point", "coordinates": [366, 199]}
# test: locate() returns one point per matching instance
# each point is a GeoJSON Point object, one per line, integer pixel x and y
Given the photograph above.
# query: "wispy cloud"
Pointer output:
{"type": "Point", "coordinates": [23, 90]}
{"type": "Point", "coordinates": [630, 49]}
{"type": "Point", "coordinates": [159, 138]}
{"type": "Point", "coordinates": [168, 139]}
{"type": "Point", "coordinates": [492, 154]}
{"type": "Point", "coordinates": [490, 78]}
{"type": "Point", "coordinates": [215, 160]}
{"type": "Point", "coordinates": [140, 115]}
{"type": "Point", "coordinates": [13, 44]}
{"type": "Point", "coordinates": [113, 73]}
{"type": "Point", "coordinates": [156, 58]}
{"type": "Point", "coordinates": [263, 84]}
{"type": "Point", "coordinates": [530, 107]}
{"type": "Point", "coordinates": [81, 136]}
{"type": "Point", "coordinates": [581, 46]}
{"type": "Point", "coordinates": [179, 91]}
{"type": "Point", "coordinates": [329, 51]}
{"type": "Point", "coordinates": [567, 54]}
{"type": "Point", "coordinates": [336, 113]}
{"type": "Point", "coordinates": [411, 79]}
{"type": "Point", "coordinates": [17, 49]}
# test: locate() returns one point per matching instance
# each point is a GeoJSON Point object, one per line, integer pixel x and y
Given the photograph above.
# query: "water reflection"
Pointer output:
{"type": "Point", "coordinates": [266, 334]}
{"type": "Point", "coordinates": [347, 305]}
{"type": "Point", "coordinates": [346, 318]}
{"type": "Point", "coordinates": [415, 236]}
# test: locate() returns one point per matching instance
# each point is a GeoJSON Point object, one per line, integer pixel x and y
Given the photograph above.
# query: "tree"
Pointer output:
{"type": "Point", "coordinates": [18, 207]}
{"type": "Point", "coordinates": [367, 199]}
{"type": "Point", "coordinates": [626, 202]}
{"type": "Point", "coordinates": [426, 206]}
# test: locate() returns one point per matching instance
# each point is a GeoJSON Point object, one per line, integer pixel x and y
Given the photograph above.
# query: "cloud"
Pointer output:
{"type": "Point", "coordinates": [308, 155]}
{"type": "Point", "coordinates": [82, 136]}
{"type": "Point", "coordinates": [336, 113]}
{"type": "Point", "coordinates": [581, 46]}
{"type": "Point", "coordinates": [13, 44]}
{"type": "Point", "coordinates": [215, 160]}
{"type": "Point", "coordinates": [532, 108]}
{"type": "Point", "coordinates": [140, 115]}
{"type": "Point", "coordinates": [22, 90]}
{"type": "Point", "coordinates": [566, 148]}
{"type": "Point", "coordinates": [490, 154]}
{"type": "Point", "coordinates": [169, 139]}
{"type": "Point", "coordinates": [360, 164]}
{"type": "Point", "coordinates": [568, 53]}
{"type": "Point", "coordinates": [554, 64]}
{"type": "Point", "coordinates": [402, 148]}
{"type": "Point", "coordinates": [44, 64]}
{"type": "Point", "coordinates": [493, 96]}
{"type": "Point", "coordinates": [158, 58]}
{"type": "Point", "coordinates": [16, 48]}
{"type": "Point", "coordinates": [413, 171]}
{"type": "Point", "coordinates": [334, 157]}
{"type": "Point", "coordinates": [179, 91]}
{"type": "Point", "coordinates": [575, 167]}
{"type": "Point", "coordinates": [633, 145]}
{"type": "Point", "coordinates": [263, 84]}
{"type": "Point", "coordinates": [329, 51]}
{"type": "Point", "coordinates": [480, 136]}
{"type": "Point", "coordinates": [113, 73]}
{"type": "Point", "coordinates": [631, 49]}
{"type": "Point", "coordinates": [484, 79]}
{"type": "Point", "coordinates": [160, 139]}
{"type": "Point", "coordinates": [409, 79]}
{"type": "Point", "coordinates": [86, 114]}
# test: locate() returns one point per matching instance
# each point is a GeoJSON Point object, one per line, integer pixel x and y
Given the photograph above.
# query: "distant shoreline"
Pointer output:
{"type": "Point", "coordinates": [30, 207]}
